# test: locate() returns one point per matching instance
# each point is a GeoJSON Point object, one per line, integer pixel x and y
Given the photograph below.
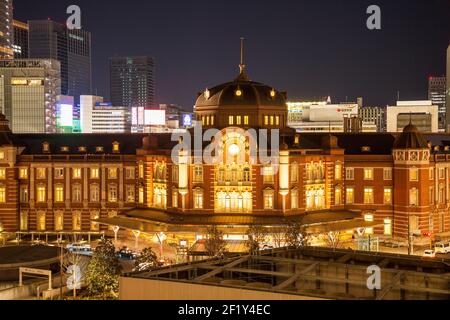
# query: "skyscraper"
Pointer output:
{"type": "Point", "coordinates": [51, 40]}
{"type": "Point", "coordinates": [6, 29]}
{"type": "Point", "coordinates": [436, 93]}
{"type": "Point", "coordinates": [28, 94]}
{"type": "Point", "coordinates": [20, 45]}
{"type": "Point", "coordinates": [132, 81]}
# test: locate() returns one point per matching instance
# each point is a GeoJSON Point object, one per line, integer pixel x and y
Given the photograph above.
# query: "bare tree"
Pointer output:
{"type": "Point", "coordinates": [256, 237]}
{"type": "Point", "coordinates": [214, 244]}
{"type": "Point", "coordinates": [295, 235]}
{"type": "Point", "coordinates": [333, 239]}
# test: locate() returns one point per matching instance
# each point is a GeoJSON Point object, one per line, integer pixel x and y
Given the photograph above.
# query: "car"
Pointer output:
{"type": "Point", "coordinates": [78, 247]}
{"type": "Point", "coordinates": [442, 247]}
{"type": "Point", "coordinates": [127, 254]}
{"type": "Point", "coordinates": [429, 254]}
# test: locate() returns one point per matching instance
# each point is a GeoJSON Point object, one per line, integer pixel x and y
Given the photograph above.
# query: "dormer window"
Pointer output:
{"type": "Point", "coordinates": [65, 149]}
{"type": "Point", "coordinates": [116, 147]}
{"type": "Point", "coordinates": [365, 149]}
{"type": "Point", "coordinates": [81, 149]}
{"type": "Point", "coordinates": [436, 148]}
{"type": "Point", "coordinates": [446, 148]}
{"type": "Point", "coordinates": [99, 149]}
{"type": "Point", "coordinates": [45, 147]}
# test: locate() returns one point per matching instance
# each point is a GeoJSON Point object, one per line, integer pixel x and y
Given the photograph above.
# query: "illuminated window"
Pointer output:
{"type": "Point", "coordinates": [99, 149]}
{"type": "Point", "coordinates": [368, 195]}
{"type": "Point", "coordinates": [413, 197]}
{"type": "Point", "coordinates": [212, 120]}
{"type": "Point", "coordinates": [233, 202]}
{"type": "Point", "coordinates": [23, 173]}
{"type": "Point", "coordinates": [59, 221]}
{"type": "Point", "coordinates": [41, 223]}
{"type": "Point", "coordinates": [413, 174]}
{"type": "Point", "coordinates": [387, 227]}
{"type": "Point", "coordinates": [112, 173]}
{"type": "Point", "coordinates": [203, 120]}
{"type": "Point", "coordinates": [207, 120]}
{"type": "Point", "coordinates": [116, 147]}
{"type": "Point", "coordinates": [141, 171]}
{"type": "Point", "coordinates": [349, 174]}
{"type": "Point", "coordinates": [94, 193]}
{"type": "Point", "coordinates": [277, 120]}
{"type": "Point", "coordinates": [175, 199]}
{"type": "Point", "coordinates": [350, 196]}
{"type": "Point", "coordinates": [64, 149]}
{"type": "Point", "coordinates": [129, 173]}
{"type": "Point", "coordinates": [2, 195]}
{"type": "Point", "coordinates": [247, 174]}
{"type": "Point", "coordinates": [41, 194]}
{"type": "Point", "coordinates": [23, 194]}
{"type": "Point", "coordinates": [175, 173]}
{"type": "Point", "coordinates": [198, 174]}
{"type": "Point", "coordinates": [246, 122]}
{"type": "Point", "coordinates": [59, 173]}
{"type": "Point", "coordinates": [2, 173]}
{"type": "Point", "coordinates": [95, 173]}
{"type": "Point", "coordinates": [112, 193]}
{"type": "Point", "coordinates": [94, 216]}
{"type": "Point", "coordinates": [130, 197]}
{"type": "Point", "coordinates": [23, 221]}
{"type": "Point", "coordinates": [338, 172]}
{"type": "Point", "coordinates": [337, 196]}
{"type": "Point", "coordinates": [294, 199]}
{"type": "Point", "coordinates": [238, 120]}
{"type": "Point", "coordinates": [76, 193]}
{"type": "Point", "coordinates": [230, 120]}
{"type": "Point", "coordinates": [76, 173]}
{"type": "Point", "coordinates": [368, 174]}
{"type": "Point", "coordinates": [272, 122]}
{"type": "Point", "coordinates": [315, 199]}
{"type": "Point", "coordinates": [159, 198]}
{"type": "Point", "coordinates": [59, 194]}
{"type": "Point", "coordinates": [431, 195]}
{"type": "Point", "coordinates": [2, 155]}
{"type": "Point", "coordinates": [441, 195]}
{"type": "Point", "coordinates": [387, 173]}
{"type": "Point", "coordinates": [40, 173]}
{"type": "Point", "coordinates": [268, 199]}
{"type": "Point", "coordinates": [431, 173]}
{"type": "Point", "coordinates": [266, 120]}
{"type": "Point", "coordinates": [141, 195]}
{"type": "Point", "coordinates": [387, 196]}
{"type": "Point", "coordinates": [268, 174]}
{"type": "Point", "coordinates": [294, 172]}
{"type": "Point", "coordinates": [198, 199]}
{"type": "Point", "coordinates": [76, 221]}
{"type": "Point", "coordinates": [441, 173]}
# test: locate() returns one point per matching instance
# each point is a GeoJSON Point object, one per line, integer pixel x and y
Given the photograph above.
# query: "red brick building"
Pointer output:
{"type": "Point", "coordinates": [55, 183]}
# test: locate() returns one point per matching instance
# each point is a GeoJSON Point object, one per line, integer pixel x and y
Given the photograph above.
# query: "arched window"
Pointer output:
{"type": "Point", "coordinates": [95, 193]}
{"type": "Point", "coordinates": [76, 193]}
{"type": "Point", "coordinates": [76, 220]}
{"type": "Point", "coordinates": [59, 220]}
{"type": "Point", "coordinates": [198, 198]}
{"type": "Point", "coordinates": [41, 220]}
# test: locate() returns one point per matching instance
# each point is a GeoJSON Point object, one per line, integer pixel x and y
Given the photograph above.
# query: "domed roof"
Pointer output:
{"type": "Point", "coordinates": [241, 92]}
{"type": "Point", "coordinates": [410, 138]}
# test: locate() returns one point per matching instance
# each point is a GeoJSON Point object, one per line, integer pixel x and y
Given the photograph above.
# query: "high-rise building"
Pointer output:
{"type": "Point", "coordinates": [422, 114]}
{"type": "Point", "coordinates": [436, 93]}
{"type": "Point", "coordinates": [6, 29]}
{"type": "Point", "coordinates": [28, 94]}
{"type": "Point", "coordinates": [52, 40]}
{"type": "Point", "coordinates": [20, 45]}
{"type": "Point", "coordinates": [98, 116]}
{"type": "Point", "coordinates": [132, 81]}
{"type": "Point", "coordinates": [375, 115]}
{"type": "Point", "coordinates": [447, 98]}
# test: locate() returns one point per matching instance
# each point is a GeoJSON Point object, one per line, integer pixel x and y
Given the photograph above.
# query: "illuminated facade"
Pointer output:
{"type": "Point", "coordinates": [396, 182]}
{"type": "Point", "coordinates": [6, 29]}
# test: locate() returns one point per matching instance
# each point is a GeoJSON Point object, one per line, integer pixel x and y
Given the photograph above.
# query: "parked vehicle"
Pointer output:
{"type": "Point", "coordinates": [429, 254]}
{"type": "Point", "coordinates": [442, 247]}
{"type": "Point", "coordinates": [78, 247]}
{"type": "Point", "coordinates": [127, 254]}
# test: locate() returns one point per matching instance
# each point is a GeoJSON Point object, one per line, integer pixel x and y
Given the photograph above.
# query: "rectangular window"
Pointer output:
{"type": "Point", "coordinates": [59, 194]}
{"type": "Point", "coordinates": [431, 173]}
{"type": "Point", "coordinates": [212, 120]}
{"type": "Point", "coordinates": [198, 199]}
{"type": "Point", "coordinates": [175, 199]}
{"type": "Point", "coordinates": [337, 196]}
{"type": "Point", "coordinates": [76, 193]}
{"type": "Point", "coordinates": [95, 193]}
{"type": "Point", "coordinates": [431, 195]}
{"type": "Point", "coordinates": [349, 174]}
{"type": "Point", "coordinates": [198, 174]}
{"type": "Point", "coordinates": [130, 194]}
{"type": "Point", "coordinates": [230, 120]}
{"type": "Point", "coordinates": [294, 172]}
{"type": "Point", "coordinates": [76, 173]}
{"type": "Point", "coordinates": [413, 174]}
{"type": "Point", "coordinates": [268, 199]}
{"type": "Point", "coordinates": [129, 173]}
{"type": "Point", "coordinates": [368, 174]}
{"type": "Point", "coordinates": [41, 196]}
{"type": "Point", "coordinates": [94, 225]}
{"type": "Point", "coordinates": [40, 173]}
{"type": "Point", "coordinates": [441, 194]}
{"type": "Point", "coordinates": [368, 195]}
{"type": "Point", "coordinates": [441, 173]}
{"type": "Point", "coordinates": [2, 155]}
{"type": "Point", "coordinates": [2, 195]}
{"type": "Point", "coordinates": [294, 199]}
{"type": "Point", "coordinates": [23, 173]}
{"type": "Point", "coordinates": [387, 173]}
{"type": "Point", "coordinates": [413, 197]}
{"type": "Point", "coordinates": [266, 120]}
{"type": "Point", "coordinates": [272, 121]}
{"type": "Point", "coordinates": [268, 174]}
{"type": "Point", "coordinates": [95, 173]}
{"type": "Point", "coordinates": [337, 172]}
{"type": "Point", "coordinates": [24, 221]}
{"type": "Point", "coordinates": [23, 194]}
{"type": "Point", "coordinates": [387, 227]}
{"type": "Point", "coordinates": [175, 174]}
{"type": "Point", "coordinates": [2, 173]}
{"type": "Point", "coordinates": [141, 171]}
{"type": "Point", "coordinates": [141, 195]}
{"type": "Point", "coordinates": [112, 194]}
{"type": "Point", "coordinates": [387, 196]}
{"type": "Point", "coordinates": [246, 122]}
{"type": "Point", "coordinates": [59, 173]}
{"type": "Point", "coordinates": [277, 120]}
{"type": "Point", "coordinates": [350, 196]}
{"type": "Point", "coordinates": [76, 221]}
{"type": "Point", "coordinates": [112, 173]}
{"type": "Point", "coordinates": [238, 120]}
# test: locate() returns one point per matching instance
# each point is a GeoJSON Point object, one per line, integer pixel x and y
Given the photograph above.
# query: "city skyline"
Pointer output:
{"type": "Point", "coordinates": [314, 58]}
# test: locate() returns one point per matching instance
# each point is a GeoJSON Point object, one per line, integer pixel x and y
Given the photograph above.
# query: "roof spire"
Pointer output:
{"type": "Point", "coordinates": [242, 65]}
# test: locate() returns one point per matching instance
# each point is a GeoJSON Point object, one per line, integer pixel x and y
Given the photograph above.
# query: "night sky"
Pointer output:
{"type": "Point", "coordinates": [309, 48]}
